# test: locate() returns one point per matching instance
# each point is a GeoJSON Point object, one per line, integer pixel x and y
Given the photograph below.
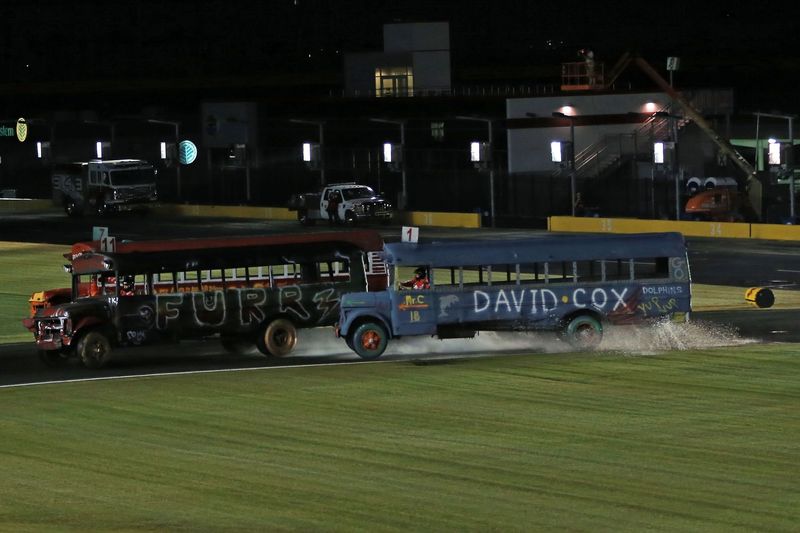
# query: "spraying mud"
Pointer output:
{"type": "Point", "coordinates": [669, 336]}
{"type": "Point", "coordinates": [632, 340]}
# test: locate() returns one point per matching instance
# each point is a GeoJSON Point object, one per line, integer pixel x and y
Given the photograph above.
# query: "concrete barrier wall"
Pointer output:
{"type": "Point", "coordinates": [413, 218]}
{"type": "Point", "coordinates": [778, 232]}
{"type": "Point", "coordinates": [734, 230]}
{"type": "Point", "coordinates": [629, 225]}
{"type": "Point", "coordinates": [232, 211]}
{"type": "Point", "coordinates": [432, 218]}
{"type": "Point", "coordinates": [24, 205]}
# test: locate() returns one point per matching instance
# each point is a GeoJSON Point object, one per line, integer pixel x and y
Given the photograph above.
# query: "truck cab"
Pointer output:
{"type": "Point", "coordinates": [103, 186]}
{"type": "Point", "coordinates": [357, 203]}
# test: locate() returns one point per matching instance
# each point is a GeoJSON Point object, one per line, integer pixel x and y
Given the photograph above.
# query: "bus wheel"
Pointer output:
{"type": "Point", "coordinates": [52, 358]}
{"type": "Point", "coordinates": [94, 350]}
{"type": "Point", "coordinates": [237, 345]}
{"type": "Point", "coordinates": [583, 332]}
{"type": "Point", "coordinates": [369, 340]}
{"type": "Point", "coordinates": [278, 338]}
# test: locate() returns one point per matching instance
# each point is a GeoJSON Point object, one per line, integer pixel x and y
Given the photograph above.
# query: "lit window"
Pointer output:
{"type": "Point", "coordinates": [394, 81]}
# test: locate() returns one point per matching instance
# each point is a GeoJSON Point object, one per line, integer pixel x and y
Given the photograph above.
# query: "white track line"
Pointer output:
{"type": "Point", "coordinates": [186, 372]}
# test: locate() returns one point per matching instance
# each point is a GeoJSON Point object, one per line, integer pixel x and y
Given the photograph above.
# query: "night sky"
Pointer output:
{"type": "Point", "coordinates": [753, 46]}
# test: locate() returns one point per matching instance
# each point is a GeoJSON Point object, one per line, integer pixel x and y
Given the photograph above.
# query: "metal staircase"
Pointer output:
{"type": "Point", "coordinates": [612, 150]}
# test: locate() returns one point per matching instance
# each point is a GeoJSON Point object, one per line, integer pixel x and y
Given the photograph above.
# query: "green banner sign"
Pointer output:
{"type": "Point", "coordinates": [20, 130]}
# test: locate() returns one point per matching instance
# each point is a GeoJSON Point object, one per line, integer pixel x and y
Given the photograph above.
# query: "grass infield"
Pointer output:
{"type": "Point", "coordinates": [685, 441]}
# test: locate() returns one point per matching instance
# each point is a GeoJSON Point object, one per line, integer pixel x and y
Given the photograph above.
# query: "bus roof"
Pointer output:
{"type": "Point", "coordinates": [217, 252]}
{"type": "Point", "coordinates": [536, 249]}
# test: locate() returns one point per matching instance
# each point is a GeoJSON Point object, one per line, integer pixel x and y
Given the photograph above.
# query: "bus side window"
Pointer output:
{"type": "Point", "coordinates": [655, 268]}
{"type": "Point", "coordinates": [334, 271]}
{"type": "Point", "coordinates": [475, 275]}
{"type": "Point", "coordinates": [140, 284]}
{"type": "Point", "coordinates": [445, 277]}
{"type": "Point", "coordinates": [533, 273]}
{"type": "Point", "coordinates": [618, 269]}
{"type": "Point", "coordinates": [502, 274]}
{"type": "Point", "coordinates": [589, 271]}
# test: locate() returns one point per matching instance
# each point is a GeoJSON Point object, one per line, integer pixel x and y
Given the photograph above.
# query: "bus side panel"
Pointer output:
{"type": "Point", "coordinates": [540, 306]}
{"type": "Point", "coordinates": [414, 312]}
{"type": "Point", "coordinates": [189, 314]}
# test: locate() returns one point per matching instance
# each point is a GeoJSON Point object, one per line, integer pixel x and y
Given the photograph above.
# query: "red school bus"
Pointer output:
{"type": "Point", "coordinates": [249, 291]}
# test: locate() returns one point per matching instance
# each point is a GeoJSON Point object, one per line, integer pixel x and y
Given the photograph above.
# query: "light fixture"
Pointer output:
{"type": "Point", "coordinates": [475, 151]}
{"type": "Point", "coordinates": [774, 152]}
{"type": "Point", "coordinates": [387, 152]}
{"type": "Point", "coordinates": [658, 153]}
{"type": "Point", "coordinates": [556, 152]}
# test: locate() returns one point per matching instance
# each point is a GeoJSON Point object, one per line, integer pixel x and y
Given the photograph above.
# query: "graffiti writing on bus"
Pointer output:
{"type": "Point", "coordinates": [247, 307]}
{"type": "Point", "coordinates": [656, 304]}
{"type": "Point", "coordinates": [534, 301]}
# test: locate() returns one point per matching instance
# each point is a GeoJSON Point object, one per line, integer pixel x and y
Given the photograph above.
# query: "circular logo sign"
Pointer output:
{"type": "Point", "coordinates": [187, 152]}
{"type": "Point", "coordinates": [22, 129]}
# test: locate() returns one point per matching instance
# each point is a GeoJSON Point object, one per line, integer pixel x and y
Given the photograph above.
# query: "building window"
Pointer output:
{"type": "Point", "coordinates": [394, 81]}
{"type": "Point", "coordinates": [437, 131]}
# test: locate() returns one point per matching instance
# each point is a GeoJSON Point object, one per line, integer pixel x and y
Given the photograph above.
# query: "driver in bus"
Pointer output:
{"type": "Point", "coordinates": [419, 281]}
{"type": "Point", "coordinates": [127, 287]}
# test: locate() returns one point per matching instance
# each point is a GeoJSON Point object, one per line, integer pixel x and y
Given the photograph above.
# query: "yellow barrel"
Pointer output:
{"type": "Point", "coordinates": [760, 297]}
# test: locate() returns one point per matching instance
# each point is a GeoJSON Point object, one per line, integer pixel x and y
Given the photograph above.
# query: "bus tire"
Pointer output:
{"type": "Point", "coordinates": [369, 340]}
{"type": "Point", "coordinates": [277, 338]}
{"type": "Point", "coordinates": [237, 345]}
{"type": "Point", "coordinates": [94, 349]}
{"type": "Point", "coordinates": [583, 332]}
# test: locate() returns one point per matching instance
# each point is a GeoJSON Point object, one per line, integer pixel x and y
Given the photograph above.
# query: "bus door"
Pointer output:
{"type": "Point", "coordinates": [413, 312]}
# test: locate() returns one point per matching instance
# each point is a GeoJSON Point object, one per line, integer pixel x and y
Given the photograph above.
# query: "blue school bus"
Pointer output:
{"type": "Point", "coordinates": [573, 284]}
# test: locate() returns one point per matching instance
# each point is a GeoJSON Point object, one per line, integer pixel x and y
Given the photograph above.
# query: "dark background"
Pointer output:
{"type": "Point", "coordinates": [750, 46]}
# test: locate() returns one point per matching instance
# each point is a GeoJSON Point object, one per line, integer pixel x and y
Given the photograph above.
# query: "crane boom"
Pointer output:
{"type": "Point", "coordinates": [723, 144]}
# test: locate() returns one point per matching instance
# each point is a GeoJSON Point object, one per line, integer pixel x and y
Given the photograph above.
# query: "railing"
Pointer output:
{"type": "Point", "coordinates": [503, 90]}
{"type": "Point", "coordinates": [610, 149]}
{"type": "Point", "coordinates": [579, 75]}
